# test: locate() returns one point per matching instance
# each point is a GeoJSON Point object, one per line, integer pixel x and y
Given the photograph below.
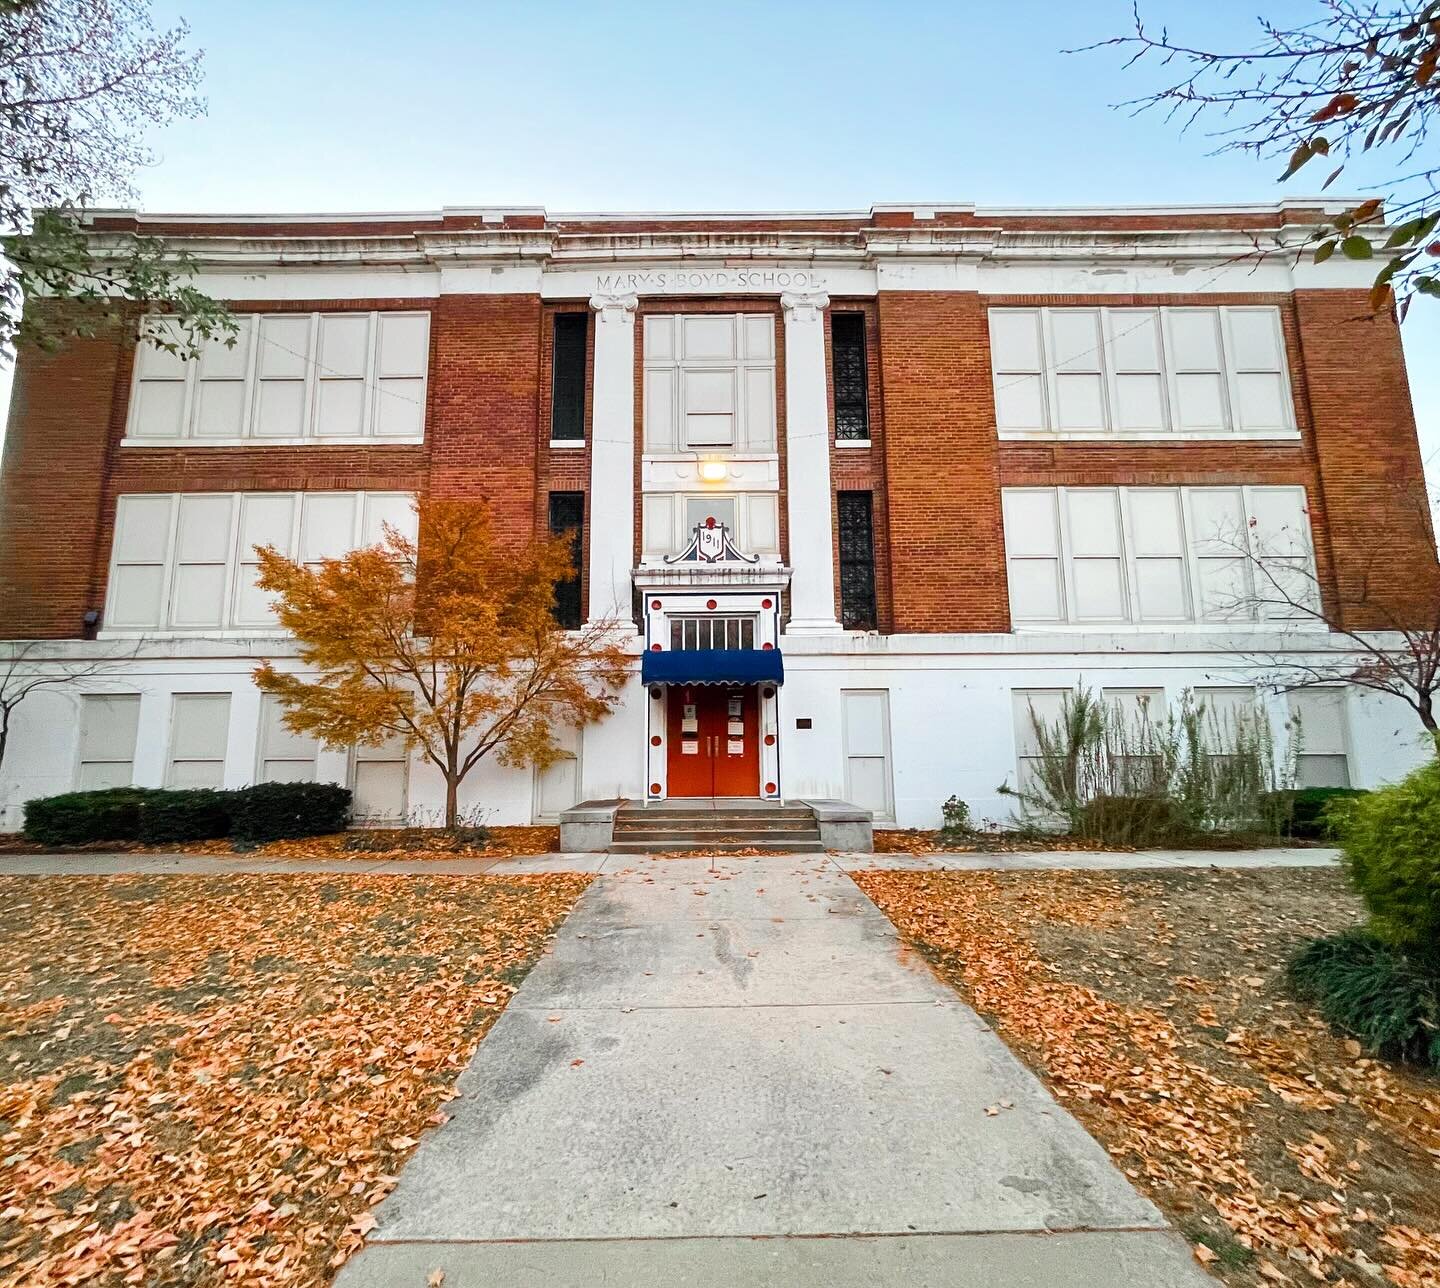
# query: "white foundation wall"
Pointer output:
{"type": "Point", "coordinates": [949, 702]}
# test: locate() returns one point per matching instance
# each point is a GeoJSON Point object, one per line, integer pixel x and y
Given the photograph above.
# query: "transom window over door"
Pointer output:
{"type": "Point", "coordinates": [709, 382]}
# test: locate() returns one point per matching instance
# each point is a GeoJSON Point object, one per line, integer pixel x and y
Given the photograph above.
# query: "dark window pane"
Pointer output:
{"type": "Point", "coordinates": [567, 400]}
{"type": "Point", "coordinates": [567, 514]}
{"type": "Point", "coordinates": [857, 560]}
{"type": "Point", "coordinates": [847, 359]}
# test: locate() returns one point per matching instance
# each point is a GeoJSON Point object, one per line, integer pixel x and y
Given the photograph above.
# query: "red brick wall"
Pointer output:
{"type": "Point", "coordinates": [1371, 476]}
{"type": "Point", "coordinates": [947, 563]}
{"type": "Point", "coordinates": [51, 487]}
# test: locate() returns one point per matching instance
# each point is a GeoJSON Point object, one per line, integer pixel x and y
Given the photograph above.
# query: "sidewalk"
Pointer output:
{"type": "Point", "coordinates": [733, 1073]}
{"type": "Point", "coordinates": [616, 864]}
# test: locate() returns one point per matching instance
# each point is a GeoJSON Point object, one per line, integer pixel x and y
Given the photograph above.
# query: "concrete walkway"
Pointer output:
{"type": "Point", "coordinates": [618, 864]}
{"type": "Point", "coordinates": [731, 1072]}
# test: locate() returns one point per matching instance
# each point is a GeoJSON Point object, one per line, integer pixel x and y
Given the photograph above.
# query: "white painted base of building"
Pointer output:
{"type": "Point", "coordinates": [894, 723]}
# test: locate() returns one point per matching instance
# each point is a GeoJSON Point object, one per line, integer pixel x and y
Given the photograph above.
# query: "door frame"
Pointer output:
{"type": "Point", "coordinates": [884, 695]}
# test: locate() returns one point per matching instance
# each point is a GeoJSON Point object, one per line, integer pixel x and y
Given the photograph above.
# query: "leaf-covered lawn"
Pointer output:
{"type": "Point", "coordinates": [211, 1080]}
{"type": "Point", "coordinates": [1154, 1006]}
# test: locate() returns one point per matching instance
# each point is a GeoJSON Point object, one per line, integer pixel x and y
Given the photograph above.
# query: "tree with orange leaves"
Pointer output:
{"type": "Point", "coordinates": [448, 641]}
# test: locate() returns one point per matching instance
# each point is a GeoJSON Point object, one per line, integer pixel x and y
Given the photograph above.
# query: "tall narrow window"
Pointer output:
{"type": "Point", "coordinates": [567, 390]}
{"type": "Point", "coordinates": [567, 514]}
{"type": "Point", "coordinates": [847, 360]}
{"type": "Point", "coordinates": [857, 560]}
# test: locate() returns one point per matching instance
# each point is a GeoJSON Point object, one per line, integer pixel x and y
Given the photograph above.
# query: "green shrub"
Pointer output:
{"type": "Point", "coordinates": [1391, 841]}
{"type": "Point", "coordinates": [282, 811]}
{"type": "Point", "coordinates": [955, 816]}
{"type": "Point", "coordinates": [1309, 809]}
{"type": "Point", "coordinates": [1134, 820]}
{"type": "Point", "coordinates": [80, 818]}
{"type": "Point", "coordinates": [174, 817]}
{"type": "Point", "coordinates": [1374, 991]}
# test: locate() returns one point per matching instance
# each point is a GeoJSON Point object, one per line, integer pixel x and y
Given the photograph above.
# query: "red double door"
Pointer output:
{"type": "Point", "coordinates": [714, 740]}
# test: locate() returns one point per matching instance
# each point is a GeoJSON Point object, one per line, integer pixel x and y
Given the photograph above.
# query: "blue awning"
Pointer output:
{"type": "Point", "coordinates": [713, 666]}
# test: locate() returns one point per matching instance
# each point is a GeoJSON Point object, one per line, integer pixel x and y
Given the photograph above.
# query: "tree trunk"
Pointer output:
{"type": "Point", "coordinates": [1427, 713]}
{"type": "Point", "coordinates": [452, 804]}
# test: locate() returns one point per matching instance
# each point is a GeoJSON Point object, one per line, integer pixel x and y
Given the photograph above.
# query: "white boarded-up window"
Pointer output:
{"type": "Point", "coordinates": [379, 779]}
{"type": "Point", "coordinates": [1141, 372]}
{"type": "Point", "coordinates": [187, 562]}
{"type": "Point", "coordinates": [285, 756]}
{"type": "Point", "coordinates": [108, 725]}
{"type": "Point", "coordinates": [1318, 727]}
{"type": "Point", "coordinates": [1134, 719]}
{"type": "Point", "coordinates": [1034, 709]}
{"type": "Point", "coordinates": [709, 382]}
{"type": "Point", "coordinates": [287, 377]}
{"type": "Point", "coordinates": [199, 729]}
{"type": "Point", "coordinates": [1229, 713]}
{"type": "Point", "coordinates": [669, 518]}
{"type": "Point", "coordinates": [1155, 555]}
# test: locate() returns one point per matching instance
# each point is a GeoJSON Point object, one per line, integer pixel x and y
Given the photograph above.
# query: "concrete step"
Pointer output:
{"type": "Point", "coordinates": [717, 847]}
{"type": "Point", "coordinates": [710, 821]}
{"type": "Point", "coordinates": [706, 837]}
{"type": "Point", "coordinates": [778, 814]}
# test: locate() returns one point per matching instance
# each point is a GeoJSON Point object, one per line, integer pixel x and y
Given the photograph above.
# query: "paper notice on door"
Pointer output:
{"type": "Point", "coordinates": [736, 706]}
{"type": "Point", "coordinates": [689, 725]}
{"type": "Point", "coordinates": [737, 729]}
{"type": "Point", "coordinates": [735, 746]}
{"type": "Point", "coordinates": [689, 746]}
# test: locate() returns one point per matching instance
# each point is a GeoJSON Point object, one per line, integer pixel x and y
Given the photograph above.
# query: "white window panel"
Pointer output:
{"type": "Point", "coordinates": [327, 525]}
{"type": "Point", "coordinates": [292, 377]}
{"type": "Point", "coordinates": [658, 524]}
{"type": "Point", "coordinates": [266, 519]}
{"type": "Point", "coordinates": [397, 509]}
{"type": "Point", "coordinates": [709, 399]}
{"type": "Point", "coordinates": [1151, 555]}
{"type": "Point", "coordinates": [1228, 711]}
{"type": "Point", "coordinates": [1135, 717]}
{"type": "Point", "coordinates": [1318, 725]}
{"type": "Point", "coordinates": [660, 338]}
{"type": "Point", "coordinates": [720, 508]}
{"type": "Point", "coordinates": [1032, 544]}
{"type": "Point", "coordinates": [709, 382]}
{"type": "Point", "coordinates": [188, 562]}
{"type": "Point", "coordinates": [709, 336]}
{"type": "Point", "coordinates": [759, 408]}
{"type": "Point", "coordinates": [762, 527]}
{"type": "Point", "coordinates": [1097, 577]}
{"type": "Point", "coordinates": [1137, 378]}
{"type": "Point", "coordinates": [1077, 369]}
{"type": "Point", "coordinates": [1032, 708]}
{"type": "Point", "coordinates": [108, 725]}
{"type": "Point", "coordinates": [202, 556]}
{"type": "Point", "coordinates": [199, 730]}
{"type": "Point", "coordinates": [1140, 372]}
{"type": "Point", "coordinates": [1019, 367]}
{"type": "Point", "coordinates": [759, 337]}
{"type": "Point", "coordinates": [285, 756]}
{"type": "Point", "coordinates": [378, 779]}
{"type": "Point", "coordinates": [1157, 546]}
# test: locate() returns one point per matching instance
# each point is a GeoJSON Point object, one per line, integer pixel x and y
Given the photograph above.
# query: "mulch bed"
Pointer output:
{"type": "Point", "coordinates": [210, 1080]}
{"type": "Point", "coordinates": [912, 840]}
{"type": "Point", "coordinates": [1154, 1006]}
{"type": "Point", "coordinates": [412, 843]}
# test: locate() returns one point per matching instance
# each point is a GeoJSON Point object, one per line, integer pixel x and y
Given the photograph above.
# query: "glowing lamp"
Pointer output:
{"type": "Point", "coordinates": [713, 471]}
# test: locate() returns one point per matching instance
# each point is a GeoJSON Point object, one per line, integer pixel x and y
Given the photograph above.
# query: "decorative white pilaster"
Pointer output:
{"type": "Point", "coordinates": [807, 465]}
{"type": "Point", "coordinates": [612, 459]}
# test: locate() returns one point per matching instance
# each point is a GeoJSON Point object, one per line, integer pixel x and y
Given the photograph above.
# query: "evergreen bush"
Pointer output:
{"type": "Point", "coordinates": [285, 811]}
{"type": "Point", "coordinates": [1367, 987]}
{"type": "Point", "coordinates": [1391, 842]}
{"type": "Point", "coordinates": [192, 814]}
{"type": "Point", "coordinates": [81, 818]}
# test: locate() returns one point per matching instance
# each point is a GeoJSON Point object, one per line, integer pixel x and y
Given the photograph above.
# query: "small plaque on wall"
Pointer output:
{"type": "Point", "coordinates": [803, 722]}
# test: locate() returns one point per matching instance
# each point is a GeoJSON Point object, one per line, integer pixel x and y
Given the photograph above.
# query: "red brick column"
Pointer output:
{"type": "Point", "coordinates": [947, 548]}
{"type": "Point", "coordinates": [1371, 475]}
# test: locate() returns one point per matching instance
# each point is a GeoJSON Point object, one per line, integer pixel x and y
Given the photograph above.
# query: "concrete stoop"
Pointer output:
{"type": "Point", "coordinates": [716, 826]}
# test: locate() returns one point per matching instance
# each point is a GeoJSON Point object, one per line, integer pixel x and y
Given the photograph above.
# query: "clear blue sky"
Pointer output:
{"type": "Point", "coordinates": [361, 105]}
